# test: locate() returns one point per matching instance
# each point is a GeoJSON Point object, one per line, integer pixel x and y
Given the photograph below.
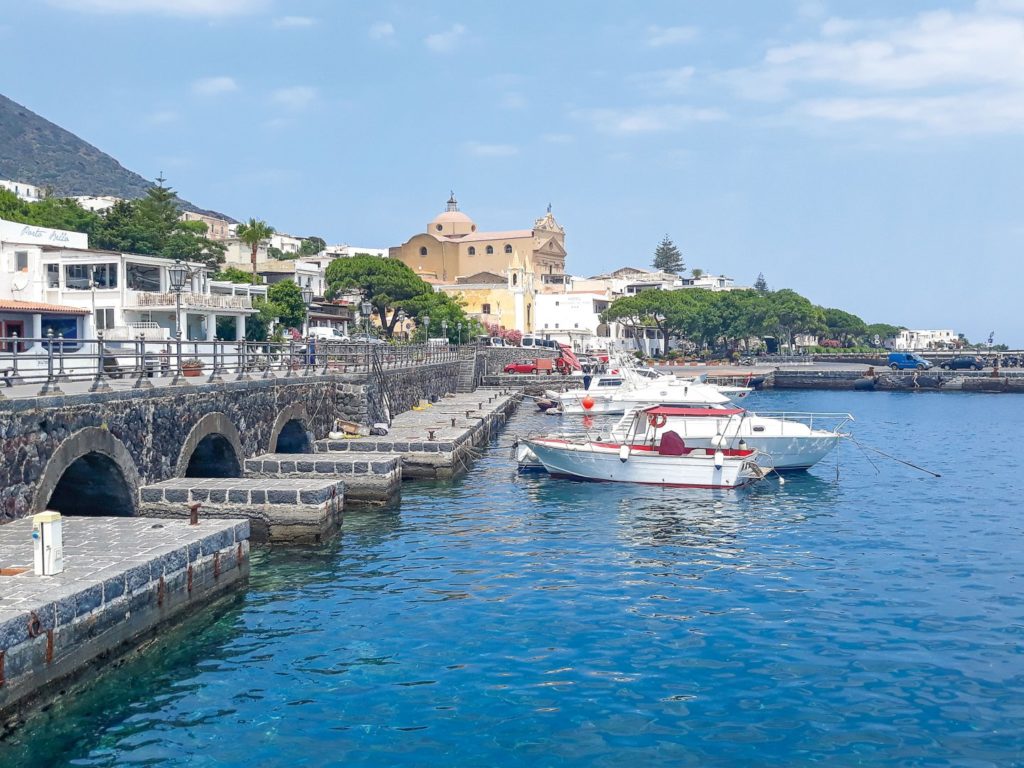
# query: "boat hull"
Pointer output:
{"type": "Point", "coordinates": [585, 461]}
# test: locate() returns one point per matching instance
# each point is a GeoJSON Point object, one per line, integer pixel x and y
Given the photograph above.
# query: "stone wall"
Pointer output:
{"type": "Point", "coordinates": [492, 360]}
{"type": "Point", "coordinates": [406, 387]}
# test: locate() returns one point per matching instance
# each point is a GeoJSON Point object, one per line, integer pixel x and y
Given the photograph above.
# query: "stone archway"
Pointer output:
{"type": "Point", "coordinates": [290, 433]}
{"type": "Point", "coordinates": [90, 473]}
{"type": "Point", "coordinates": [213, 448]}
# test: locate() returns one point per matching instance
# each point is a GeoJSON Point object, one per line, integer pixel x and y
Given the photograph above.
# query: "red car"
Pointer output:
{"type": "Point", "coordinates": [523, 366]}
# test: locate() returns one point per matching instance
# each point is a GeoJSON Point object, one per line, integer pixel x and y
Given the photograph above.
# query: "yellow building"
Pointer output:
{"type": "Point", "coordinates": [507, 300]}
{"type": "Point", "coordinates": [453, 247]}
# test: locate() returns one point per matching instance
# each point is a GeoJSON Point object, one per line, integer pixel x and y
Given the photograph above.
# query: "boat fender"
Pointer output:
{"type": "Point", "coordinates": [719, 459]}
{"type": "Point", "coordinates": [623, 453]}
{"type": "Point", "coordinates": [719, 441]}
{"type": "Point", "coordinates": [657, 420]}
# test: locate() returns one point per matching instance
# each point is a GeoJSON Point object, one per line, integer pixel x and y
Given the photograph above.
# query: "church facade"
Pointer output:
{"type": "Point", "coordinates": [452, 247]}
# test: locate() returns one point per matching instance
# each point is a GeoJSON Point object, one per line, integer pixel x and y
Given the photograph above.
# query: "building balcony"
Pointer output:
{"type": "Point", "coordinates": [146, 300]}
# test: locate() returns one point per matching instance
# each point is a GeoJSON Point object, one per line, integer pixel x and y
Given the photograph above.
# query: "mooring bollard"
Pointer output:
{"type": "Point", "coordinates": [453, 421]}
{"type": "Point", "coordinates": [430, 434]}
{"type": "Point", "coordinates": [193, 513]}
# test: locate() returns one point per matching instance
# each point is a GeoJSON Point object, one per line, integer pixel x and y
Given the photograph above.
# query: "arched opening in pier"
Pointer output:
{"type": "Point", "coordinates": [92, 485]}
{"type": "Point", "coordinates": [293, 439]}
{"type": "Point", "coordinates": [214, 456]}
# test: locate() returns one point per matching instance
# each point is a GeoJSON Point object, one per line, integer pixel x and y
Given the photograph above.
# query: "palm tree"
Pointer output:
{"type": "Point", "coordinates": [252, 234]}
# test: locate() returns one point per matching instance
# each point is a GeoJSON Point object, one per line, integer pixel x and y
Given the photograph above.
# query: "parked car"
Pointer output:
{"type": "Point", "coordinates": [964, 361]}
{"type": "Point", "coordinates": [899, 361]}
{"type": "Point", "coordinates": [522, 366]}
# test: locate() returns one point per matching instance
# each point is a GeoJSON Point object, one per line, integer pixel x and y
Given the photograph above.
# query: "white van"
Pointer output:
{"type": "Point", "coordinates": [536, 342]}
{"type": "Point", "coordinates": [325, 332]}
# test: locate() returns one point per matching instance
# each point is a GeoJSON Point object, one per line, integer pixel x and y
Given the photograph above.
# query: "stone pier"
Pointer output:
{"type": "Point", "coordinates": [279, 509]}
{"type": "Point", "coordinates": [440, 440]}
{"type": "Point", "coordinates": [369, 478]}
{"type": "Point", "coordinates": [123, 578]}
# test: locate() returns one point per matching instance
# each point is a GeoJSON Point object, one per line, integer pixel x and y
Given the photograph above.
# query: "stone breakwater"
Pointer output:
{"type": "Point", "coordinates": [124, 578]}
{"type": "Point", "coordinates": [901, 381]}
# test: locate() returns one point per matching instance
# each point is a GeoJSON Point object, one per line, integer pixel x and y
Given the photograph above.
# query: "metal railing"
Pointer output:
{"type": "Point", "coordinates": [190, 300]}
{"type": "Point", "coordinates": [39, 366]}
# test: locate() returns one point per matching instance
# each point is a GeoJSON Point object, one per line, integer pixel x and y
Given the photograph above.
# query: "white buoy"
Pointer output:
{"type": "Point", "coordinates": [719, 459]}
{"type": "Point", "coordinates": [623, 452]}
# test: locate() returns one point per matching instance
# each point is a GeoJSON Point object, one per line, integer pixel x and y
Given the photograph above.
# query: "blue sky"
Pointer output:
{"type": "Point", "coordinates": [867, 154]}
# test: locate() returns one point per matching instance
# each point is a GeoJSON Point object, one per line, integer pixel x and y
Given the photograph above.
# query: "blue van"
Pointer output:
{"type": "Point", "coordinates": [900, 361]}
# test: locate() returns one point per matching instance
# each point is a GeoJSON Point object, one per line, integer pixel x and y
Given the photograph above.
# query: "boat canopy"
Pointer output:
{"type": "Point", "coordinates": [678, 410]}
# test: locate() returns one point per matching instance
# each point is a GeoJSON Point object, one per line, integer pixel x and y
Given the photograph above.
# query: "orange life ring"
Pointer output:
{"type": "Point", "coordinates": [657, 420]}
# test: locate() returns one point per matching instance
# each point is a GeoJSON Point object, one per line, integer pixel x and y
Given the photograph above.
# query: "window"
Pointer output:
{"type": "Point", "coordinates": [80, 277]}
{"type": "Point", "coordinates": [485, 309]}
{"type": "Point", "coordinates": [53, 275]}
{"type": "Point", "coordinates": [21, 261]}
{"type": "Point", "coordinates": [423, 251]}
{"type": "Point", "coordinates": [556, 303]}
{"type": "Point", "coordinates": [508, 248]}
{"type": "Point", "coordinates": [575, 325]}
{"type": "Point", "coordinates": [472, 250]}
{"type": "Point", "coordinates": [515, 279]}
{"type": "Point", "coordinates": [556, 325]}
{"type": "Point", "coordinates": [104, 319]}
{"type": "Point", "coordinates": [142, 277]}
{"type": "Point", "coordinates": [438, 227]}
{"type": "Point", "coordinates": [490, 249]}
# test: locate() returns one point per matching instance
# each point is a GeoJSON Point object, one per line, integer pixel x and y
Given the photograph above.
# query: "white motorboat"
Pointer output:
{"type": "Point", "coordinates": [788, 441]}
{"type": "Point", "coordinates": [663, 461]}
{"type": "Point", "coordinates": [629, 396]}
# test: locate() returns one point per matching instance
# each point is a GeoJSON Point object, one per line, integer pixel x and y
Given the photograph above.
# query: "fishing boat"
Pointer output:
{"type": "Point", "coordinates": [789, 441]}
{"type": "Point", "coordinates": [662, 460]}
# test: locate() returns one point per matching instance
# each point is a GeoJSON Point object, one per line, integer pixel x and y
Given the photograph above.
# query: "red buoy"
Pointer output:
{"type": "Point", "coordinates": [588, 402]}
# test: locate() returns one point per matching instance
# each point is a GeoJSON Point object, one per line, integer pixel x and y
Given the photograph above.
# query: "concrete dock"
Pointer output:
{"type": "Point", "coordinates": [294, 510]}
{"type": "Point", "coordinates": [123, 578]}
{"type": "Point", "coordinates": [439, 440]}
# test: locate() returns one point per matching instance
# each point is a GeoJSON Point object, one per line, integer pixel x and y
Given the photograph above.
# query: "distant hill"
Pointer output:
{"type": "Point", "coordinates": [36, 151]}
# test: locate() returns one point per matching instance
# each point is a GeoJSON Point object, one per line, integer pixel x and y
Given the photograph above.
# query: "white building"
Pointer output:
{"type": "Point", "coordinates": [710, 283]}
{"type": "Point", "coordinates": [124, 295]}
{"type": "Point", "coordinates": [348, 251]}
{"type": "Point", "coordinates": [239, 254]}
{"type": "Point", "coordinates": [573, 318]}
{"type": "Point", "coordinates": [285, 243]}
{"type": "Point", "coordinates": [30, 193]}
{"type": "Point", "coordinates": [97, 203]}
{"type": "Point", "coordinates": [216, 228]}
{"type": "Point", "coordinates": [920, 341]}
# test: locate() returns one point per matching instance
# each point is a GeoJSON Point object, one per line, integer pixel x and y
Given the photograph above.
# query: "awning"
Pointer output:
{"type": "Point", "coordinates": [676, 410]}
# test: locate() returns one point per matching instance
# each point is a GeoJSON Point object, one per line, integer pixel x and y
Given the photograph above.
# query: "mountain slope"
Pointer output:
{"type": "Point", "coordinates": [36, 151]}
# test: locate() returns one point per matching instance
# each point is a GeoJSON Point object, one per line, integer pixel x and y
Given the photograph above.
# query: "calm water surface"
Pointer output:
{"type": "Point", "coordinates": [876, 619]}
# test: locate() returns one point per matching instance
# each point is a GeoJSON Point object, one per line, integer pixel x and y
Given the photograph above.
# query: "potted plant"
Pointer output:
{"type": "Point", "coordinates": [193, 366]}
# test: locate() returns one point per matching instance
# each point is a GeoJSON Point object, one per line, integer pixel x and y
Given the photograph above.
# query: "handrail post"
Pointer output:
{"type": "Point", "coordinates": [15, 377]}
{"type": "Point", "coordinates": [142, 382]}
{"type": "Point", "coordinates": [51, 387]}
{"type": "Point", "coordinates": [179, 375]}
{"type": "Point", "coordinates": [243, 373]}
{"type": "Point", "coordinates": [291, 357]}
{"type": "Point", "coordinates": [268, 361]}
{"type": "Point", "coordinates": [215, 376]}
{"type": "Point", "coordinates": [309, 363]}
{"type": "Point", "coordinates": [98, 384]}
{"type": "Point", "coordinates": [60, 355]}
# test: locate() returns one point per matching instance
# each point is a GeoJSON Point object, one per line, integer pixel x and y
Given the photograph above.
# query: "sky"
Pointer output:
{"type": "Point", "coordinates": [866, 153]}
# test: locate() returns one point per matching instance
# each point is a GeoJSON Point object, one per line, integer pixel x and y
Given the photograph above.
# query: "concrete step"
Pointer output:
{"type": "Point", "coordinates": [372, 478]}
{"type": "Point", "coordinates": [278, 509]}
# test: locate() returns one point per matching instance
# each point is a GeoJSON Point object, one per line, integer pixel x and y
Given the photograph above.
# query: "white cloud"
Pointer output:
{"type": "Point", "coordinates": [477, 149]}
{"type": "Point", "coordinates": [445, 42]}
{"type": "Point", "coordinates": [295, 97]}
{"type": "Point", "coordinates": [209, 8]}
{"type": "Point", "coordinates": [214, 86]}
{"type": "Point", "coordinates": [512, 100]}
{"type": "Point", "coordinates": [294, 22]}
{"type": "Point", "coordinates": [937, 71]}
{"type": "Point", "coordinates": [666, 82]}
{"type": "Point", "coordinates": [162, 117]}
{"type": "Point", "coordinates": [623, 122]}
{"type": "Point", "coordinates": [659, 37]}
{"type": "Point", "coordinates": [382, 30]}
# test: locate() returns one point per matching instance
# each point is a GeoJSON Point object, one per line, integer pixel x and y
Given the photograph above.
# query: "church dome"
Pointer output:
{"type": "Point", "coordinates": [452, 222]}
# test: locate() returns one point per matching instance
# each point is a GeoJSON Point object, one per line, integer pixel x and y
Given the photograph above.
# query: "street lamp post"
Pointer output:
{"type": "Point", "coordinates": [401, 323]}
{"type": "Point", "coordinates": [307, 299]}
{"type": "Point", "coordinates": [178, 273]}
{"type": "Point", "coordinates": [367, 308]}
{"type": "Point", "coordinates": [459, 327]}
{"type": "Point", "coordinates": [444, 330]}
{"type": "Point", "coordinates": [426, 327]}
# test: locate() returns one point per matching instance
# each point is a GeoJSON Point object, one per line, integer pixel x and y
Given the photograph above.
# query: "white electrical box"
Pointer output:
{"type": "Point", "coordinates": [48, 543]}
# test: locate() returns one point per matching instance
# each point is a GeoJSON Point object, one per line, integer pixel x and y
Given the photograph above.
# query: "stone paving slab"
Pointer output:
{"type": "Point", "coordinates": [368, 477]}
{"type": "Point", "coordinates": [291, 509]}
{"type": "Point", "coordinates": [123, 577]}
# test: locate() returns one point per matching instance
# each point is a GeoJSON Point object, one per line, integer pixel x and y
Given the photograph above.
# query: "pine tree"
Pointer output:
{"type": "Point", "coordinates": [761, 285]}
{"type": "Point", "coordinates": [667, 257]}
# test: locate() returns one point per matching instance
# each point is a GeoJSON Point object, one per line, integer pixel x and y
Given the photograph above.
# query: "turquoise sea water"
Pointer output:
{"type": "Point", "coordinates": [498, 621]}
